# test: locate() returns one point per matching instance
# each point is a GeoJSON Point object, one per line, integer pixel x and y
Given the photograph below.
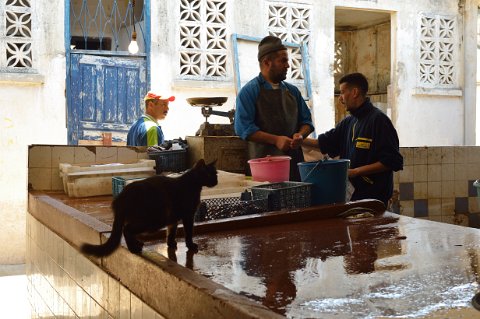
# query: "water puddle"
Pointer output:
{"type": "Point", "coordinates": [365, 268]}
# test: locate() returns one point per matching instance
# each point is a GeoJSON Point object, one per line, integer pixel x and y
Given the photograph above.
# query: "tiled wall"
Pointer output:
{"type": "Point", "coordinates": [62, 283]}
{"type": "Point", "coordinates": [436, 183]}
{"type": "Point", "coordinates": [43, 161]}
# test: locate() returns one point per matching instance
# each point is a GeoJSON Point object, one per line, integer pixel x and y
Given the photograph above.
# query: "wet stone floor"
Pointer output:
{"type": "Point", "coordinates": [386, 266]}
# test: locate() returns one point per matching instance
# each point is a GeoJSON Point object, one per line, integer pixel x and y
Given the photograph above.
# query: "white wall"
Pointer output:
{"type": "Point", "coordinates": [183, 119]}
{"type": "Point", "coordinates": [30, 113]}
{"type": "Point", "coordinates": [470, 75]}
{"type": "Point", "coordinates": [437, 118]}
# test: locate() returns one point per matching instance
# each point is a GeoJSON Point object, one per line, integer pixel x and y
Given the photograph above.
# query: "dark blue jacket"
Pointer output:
{"type": "Point", "coordinates": [365, 137]}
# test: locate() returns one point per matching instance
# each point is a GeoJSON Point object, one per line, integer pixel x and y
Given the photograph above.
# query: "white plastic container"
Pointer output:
{"type": "Point", "coordinates": [95, 180]}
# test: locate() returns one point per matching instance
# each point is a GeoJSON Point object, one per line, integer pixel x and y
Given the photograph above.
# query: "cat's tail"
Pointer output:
{"type": "Point", "coordinates": [112, 242]}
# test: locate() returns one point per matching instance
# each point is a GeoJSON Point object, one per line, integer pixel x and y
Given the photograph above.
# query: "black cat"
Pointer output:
{"type": "Point", "coordinates": [156, 202]}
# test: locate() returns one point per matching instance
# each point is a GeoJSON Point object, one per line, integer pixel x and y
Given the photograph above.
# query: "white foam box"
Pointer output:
{"type": "Point", "coordinates": [95, 180]}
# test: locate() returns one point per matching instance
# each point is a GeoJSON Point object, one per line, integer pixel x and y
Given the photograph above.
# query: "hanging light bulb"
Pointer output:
{"type": "Point", "coordinates": [133, 46]}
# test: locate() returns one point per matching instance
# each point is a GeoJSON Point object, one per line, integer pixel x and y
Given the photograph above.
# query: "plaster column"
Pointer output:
{"type": "Point", "coordinates": [470, 12]}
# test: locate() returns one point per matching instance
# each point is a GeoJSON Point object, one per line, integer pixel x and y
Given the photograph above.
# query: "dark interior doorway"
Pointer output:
{"type": "Point", "coordinates": [363, 44]}
{"type": "Point", "coordinates": [81, 43]}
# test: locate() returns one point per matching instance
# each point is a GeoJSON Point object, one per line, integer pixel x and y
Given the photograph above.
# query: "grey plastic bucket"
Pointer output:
{"type": "Point", "coordinates": [328, 178]}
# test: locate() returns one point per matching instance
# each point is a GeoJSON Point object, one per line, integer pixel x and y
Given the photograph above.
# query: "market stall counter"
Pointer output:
{"type": "Point", "coordinates": [349, 260]}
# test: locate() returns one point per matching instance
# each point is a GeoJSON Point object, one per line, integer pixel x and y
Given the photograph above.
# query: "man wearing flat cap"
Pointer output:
{"type": "Point", "coordinates": [146, 131]}
{"type": "Point", "coordinates": [271, 114]}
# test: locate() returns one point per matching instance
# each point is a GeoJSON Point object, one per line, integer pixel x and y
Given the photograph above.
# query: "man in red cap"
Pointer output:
{"type": "Point", "coordinates": [146, 131]}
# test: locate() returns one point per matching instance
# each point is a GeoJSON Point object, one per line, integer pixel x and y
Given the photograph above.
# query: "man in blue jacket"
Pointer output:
{"type": "Point", "coordinates": [146, 131]}
{"type": "Point", "coordinates": [367, 138]}
{"type": "Point", "coordinates": [270, 113]}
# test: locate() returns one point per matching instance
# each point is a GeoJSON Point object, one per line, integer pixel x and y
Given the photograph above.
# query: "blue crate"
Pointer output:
{"type": "Point", "coordinates": [169, 160]}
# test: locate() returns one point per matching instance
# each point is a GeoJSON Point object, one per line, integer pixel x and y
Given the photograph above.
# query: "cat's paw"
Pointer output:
{"type": "Point", "coordinates": [172, 254]}
{"type": "Point", "coordinates": [135, 249]}
{"type": "Point", "coordinates": [193, 247]}
{"type": "Point", "coordinates": [134, 246]}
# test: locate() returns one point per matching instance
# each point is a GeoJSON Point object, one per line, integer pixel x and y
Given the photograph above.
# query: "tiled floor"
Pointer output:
{"type": "Point", "coordinates": [13, 292]}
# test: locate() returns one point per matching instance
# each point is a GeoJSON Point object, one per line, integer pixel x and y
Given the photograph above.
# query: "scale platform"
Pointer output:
{"type": "Point", "coordinates": [207, 104]}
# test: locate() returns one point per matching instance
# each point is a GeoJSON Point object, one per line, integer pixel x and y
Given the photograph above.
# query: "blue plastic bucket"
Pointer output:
{"type": "Point", "coordinates": [328, 178]}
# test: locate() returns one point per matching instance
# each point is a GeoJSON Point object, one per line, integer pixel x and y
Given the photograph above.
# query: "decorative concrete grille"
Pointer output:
{"type": "Point", "coordinates": [203, 39]}
{"type": "Point", "coordinates": [437, 51]}
{"type": "Point", "coordinates": [17, 36]}
{"type": "Point", "coordinates": [339, 64]}
{"type": "Point", "coordinates": [291, 23]}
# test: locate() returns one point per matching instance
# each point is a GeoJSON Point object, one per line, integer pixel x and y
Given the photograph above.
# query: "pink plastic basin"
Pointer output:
{"type": "Point", "coordinates": [270, 169]}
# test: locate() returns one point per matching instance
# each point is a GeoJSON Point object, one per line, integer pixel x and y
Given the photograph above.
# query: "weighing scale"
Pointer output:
{"type": "Point", "coordinates": [216, 141]}
{"type": "Point", "coordinates": [207, 104]}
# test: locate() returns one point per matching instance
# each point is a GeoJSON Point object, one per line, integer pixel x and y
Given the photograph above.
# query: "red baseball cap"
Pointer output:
{"type": "Point", "coordinates": [154, 96]}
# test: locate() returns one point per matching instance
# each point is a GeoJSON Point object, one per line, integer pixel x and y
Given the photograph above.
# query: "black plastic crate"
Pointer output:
{"type": "Point", "coordinates": [169, 160]}
{"type": "Point", "coordinates": [226, 207]}
{"type": "Point", "coordinates": [284, 194]}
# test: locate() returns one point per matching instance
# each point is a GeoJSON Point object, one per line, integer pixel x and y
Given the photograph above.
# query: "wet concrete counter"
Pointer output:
{"type": "Point", "coordinates": [386, 266]}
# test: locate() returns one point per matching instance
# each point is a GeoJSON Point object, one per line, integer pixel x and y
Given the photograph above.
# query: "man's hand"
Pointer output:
{"type": "Point", "coordinates": [296, 141]}
{"type": "Point", "coordinates": [283, 143]}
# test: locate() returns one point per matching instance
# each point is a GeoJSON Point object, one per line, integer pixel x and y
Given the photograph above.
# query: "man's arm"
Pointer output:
{"type": "Point", "coordinates": [304, 114]}
{"type": "Point", "coordinates": [310, 143]}
{"type": "Point", "coordinates": [305, 130]}
{"type": "Point", "coordinates": [245, 111]}
{"type": "Point", "coordinates": [388, 148]}
{"type": "Point", "coordinates": [369, 169]}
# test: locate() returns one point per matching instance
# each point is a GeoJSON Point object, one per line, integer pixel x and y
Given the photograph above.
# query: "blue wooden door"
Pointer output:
{"type": "Point", "coordinates": [106, 96]}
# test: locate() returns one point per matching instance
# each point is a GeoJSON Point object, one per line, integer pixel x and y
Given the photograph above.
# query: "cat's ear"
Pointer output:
{"type": "Point", "coordinates": [200, 163]}
{"type": "Point", "coordinates": [212, 163]}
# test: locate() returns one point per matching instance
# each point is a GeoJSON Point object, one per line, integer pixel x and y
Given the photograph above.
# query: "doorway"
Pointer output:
{"type": "Point", "coordinates": [106, 80]}
{"type": "Point", "coordinates": [363, 44]}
